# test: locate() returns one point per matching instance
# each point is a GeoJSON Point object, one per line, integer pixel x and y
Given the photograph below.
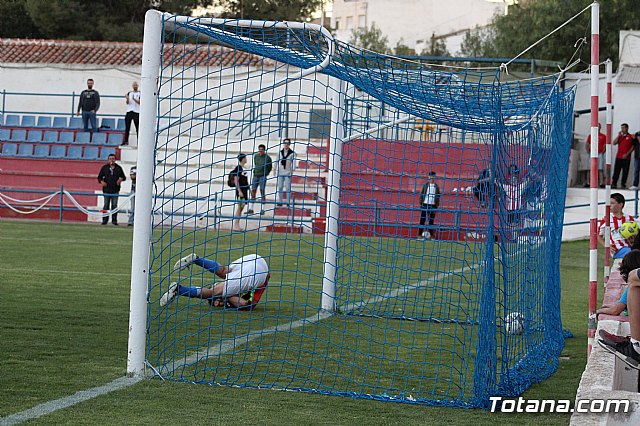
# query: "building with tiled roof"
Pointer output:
{"type": "Point", "coordinates": [101, 53]}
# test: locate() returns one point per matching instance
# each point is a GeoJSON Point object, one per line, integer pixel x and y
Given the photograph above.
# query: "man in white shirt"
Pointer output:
{"type": "Point", "coordinates": [244, 282]}
{"type": "Point", "coordinates": [286, 166]}
{"type": "Point", "coordinates": [132, 100]}
{"type": "Point", "coordinates": [429, 202]}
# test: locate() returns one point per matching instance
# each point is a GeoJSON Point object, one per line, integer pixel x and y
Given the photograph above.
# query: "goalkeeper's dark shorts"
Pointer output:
{"type": "Point", "coordinates": [253, 296]}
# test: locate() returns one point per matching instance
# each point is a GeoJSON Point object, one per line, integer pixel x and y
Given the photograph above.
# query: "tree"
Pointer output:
{"type": "Point", "coordinates": [530, 20]}
{"type": "Point", "coordinates": [436, 47]}
{"type": "Point", "coordinates": [269, 10]}
{"type": "Point", "coordinates": [121, 20]}
{"type": "Point", "coordinates": [474, 43]}
{"type": "Point", "coordinates": [16, 22]}
{"type": "Point", "coordinates": [370, 38]}
{"type": "Point", "coordinates": [402, 49]}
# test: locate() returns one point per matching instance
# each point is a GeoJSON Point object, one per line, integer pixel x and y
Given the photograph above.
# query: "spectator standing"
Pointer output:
{"type": "Point", "coordinates": [132, 99]}
{"type": "Point", "coordinates": [286, 166]}
{"type": "Point", "coordinates": [636, 162]}
{"type": "Point", "coordinates": [429, 202]}
{"type": "Point", "coordinates": [88, 105]}
{"type": "Point", "coordinates": [602, 143]}
{"type": "Point", "coordinates": [132, 175]}
{"type": "Point", "coordinates": [513, 189]}
{"type": "Point", "coordinates": [241, 183]}
{"type": "Point", "coordinates": [262, 165]}
{"type": "Point", "coordinates": [623, 158]}
{"type": "Point", "coordinates": [484, 191]}
{"type": "Point", "coordinates": [111, 177]}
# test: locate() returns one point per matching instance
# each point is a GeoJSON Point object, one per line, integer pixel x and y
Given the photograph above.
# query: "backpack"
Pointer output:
{"type": "Point", "coordinates": [231, 181]}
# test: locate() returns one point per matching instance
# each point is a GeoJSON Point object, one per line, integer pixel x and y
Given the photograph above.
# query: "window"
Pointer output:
{"type": "Point", "coordinates": [362, 20]}
{"type": "Point", "coordinates": [337, 24]}
{"type": "Point", "coordinates": [349, 22]}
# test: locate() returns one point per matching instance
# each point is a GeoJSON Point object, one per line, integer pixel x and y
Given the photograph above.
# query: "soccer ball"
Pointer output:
{"type": "Point", "coordinates": [629, 229]}
{"type": "Point", "coordinates": [514, 323]}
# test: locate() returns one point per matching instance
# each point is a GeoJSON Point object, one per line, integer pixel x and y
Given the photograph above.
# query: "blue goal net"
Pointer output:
{"type": "Point", "coordinates": [409, 217]}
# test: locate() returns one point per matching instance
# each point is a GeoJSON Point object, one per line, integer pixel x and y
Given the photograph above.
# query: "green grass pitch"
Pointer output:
{"type": "Point", "coordinates": [64, 292]}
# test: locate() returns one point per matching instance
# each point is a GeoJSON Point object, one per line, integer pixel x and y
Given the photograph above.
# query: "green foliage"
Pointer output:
{"type": "Point", "coordinates": [15, 21]}
{"type": "Point", "coordinates": [402, 49]}
{"type": "Point", "coordinates": [269, 10]}
{"type": "Point", "coordinates": [436, 47]}
{"type": "Point", "coordinates": [475, 42]}
{"type": "Point", "coordinates": [530, 20]}
{"type": "Point", "coordinates": [370, 38]}
{"type": "Point", "coordinates": [121, 20]}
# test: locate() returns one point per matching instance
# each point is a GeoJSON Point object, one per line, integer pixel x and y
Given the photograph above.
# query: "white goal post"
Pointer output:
{"type": "Point", "coordinates": [155, 23]}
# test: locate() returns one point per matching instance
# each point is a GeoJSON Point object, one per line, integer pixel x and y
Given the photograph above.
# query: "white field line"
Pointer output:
{"type": "Point", "coordinates": [227, 345]}
{"type": "Point", "coordinates": [67, 401]}
{"type": "Point", "coordinates": [223, 347]}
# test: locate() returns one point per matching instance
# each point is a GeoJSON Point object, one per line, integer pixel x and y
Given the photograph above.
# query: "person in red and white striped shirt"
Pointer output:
{"type": "Point", "coordinates": [619, 245]}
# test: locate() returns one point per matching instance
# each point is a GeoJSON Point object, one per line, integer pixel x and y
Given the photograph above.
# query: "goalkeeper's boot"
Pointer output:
{"type": "Point", "coordinates": [169, 295]}
{"type": "Point", "coordinates": [185, 262]}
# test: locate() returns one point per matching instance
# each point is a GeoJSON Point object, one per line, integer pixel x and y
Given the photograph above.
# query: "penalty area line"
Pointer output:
{"type": "Point", "coordinates": [67, 401]}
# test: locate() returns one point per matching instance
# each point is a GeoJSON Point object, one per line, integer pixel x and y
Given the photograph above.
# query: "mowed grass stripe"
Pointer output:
{"type": "Point", "coordinates": [70, 334]}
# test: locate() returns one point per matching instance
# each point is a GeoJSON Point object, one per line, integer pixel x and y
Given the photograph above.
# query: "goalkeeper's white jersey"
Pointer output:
{"type": "Point", "coordinates": [245, 274]}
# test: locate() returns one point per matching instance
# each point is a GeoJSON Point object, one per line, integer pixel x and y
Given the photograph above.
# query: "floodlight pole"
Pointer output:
{"type": "Point", "coordinates": [151, 56]}
{"type": "Point", "coordinates": [593, 234]}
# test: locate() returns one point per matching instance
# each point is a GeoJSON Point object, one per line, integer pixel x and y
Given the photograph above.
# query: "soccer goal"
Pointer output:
{"type": "Point", "coordinates": [413, 250]}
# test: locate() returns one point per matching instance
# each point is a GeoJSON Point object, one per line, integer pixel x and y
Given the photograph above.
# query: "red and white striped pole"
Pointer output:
{"type": "Point", "coordinates": [593, 240]}
{"type": "Point", "coordinates": [607, 193]}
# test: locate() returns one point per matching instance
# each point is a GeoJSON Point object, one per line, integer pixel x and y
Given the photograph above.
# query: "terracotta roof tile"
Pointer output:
{"type": "Point", "coordinates": [33, 51]}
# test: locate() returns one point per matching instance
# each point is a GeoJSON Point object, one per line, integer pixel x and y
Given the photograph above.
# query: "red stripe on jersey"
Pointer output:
{"type": "Point", "coordinates": [616, 239]}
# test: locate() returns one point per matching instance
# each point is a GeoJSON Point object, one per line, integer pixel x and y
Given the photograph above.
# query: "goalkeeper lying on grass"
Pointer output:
{"type": "Point", "coordinates": [244, 282]}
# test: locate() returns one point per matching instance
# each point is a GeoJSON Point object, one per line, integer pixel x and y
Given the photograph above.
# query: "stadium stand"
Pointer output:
{"type": "Point", "coordinates": [59, 122]}
{"type": "Point", "coordinates": [115, 139]}
{"type": "Point", "coordinates": [25, 150]}
{"type": "Point", "coordinates": [18, 135]}
{"type": "Point", "coordinates": [41, 151]}
{"type": "Point", "coordinates": [5, 134]}
{"type": "Point", "coordinates": [108, 123]}
{"type": "Point", "coordinates": [66, 137]}
{"type": "Point", "coordinates": [99, 139]}
{"type": "Point", "coordinates": [83, 137]}
{"type": "Point", "coordinates": [58, 151]}
{"type": "Point", "coordinates": [90, 153]}
{"type": "Point", "coordinates": [75, 123]}
{"type": "Point", "coordinates": [35, 136]}
{"type": "Point", "coordinates": [28, 121]}
{"type": "Point", "coordinates": [50, 136]}
{"type": "Point", "coordinates": [74, 153]}
{"type": "Point", "coordinates": [12, 120]}
{"type": "Point", "coordinates": [44, 122]}
{"type": "Point", "coordinates": [105, 152]}
{"type": "Point", "coordinates": [9, 149]}
{"type": "Point", "coordinates": [121, 125]}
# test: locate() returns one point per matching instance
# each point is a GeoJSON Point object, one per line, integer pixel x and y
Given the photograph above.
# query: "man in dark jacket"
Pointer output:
{"type": "Point", "coordinates": [89, 105]}
{"type": "Point", "coordinates": [429, 202]}
{"type": "Point", "coordinates": [111, 177]}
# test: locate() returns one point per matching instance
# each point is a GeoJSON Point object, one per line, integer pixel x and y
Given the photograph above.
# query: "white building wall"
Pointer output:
{"type": "Point", "coordinates": [414, 21]}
